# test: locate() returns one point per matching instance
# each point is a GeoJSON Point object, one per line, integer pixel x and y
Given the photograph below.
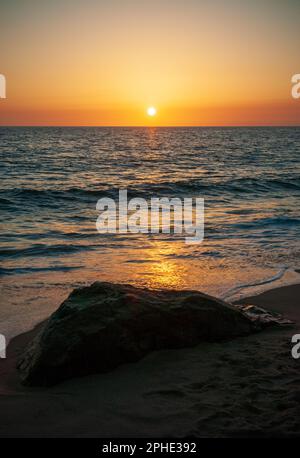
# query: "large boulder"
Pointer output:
{"type": "Point", "coordinates": [99, 327]}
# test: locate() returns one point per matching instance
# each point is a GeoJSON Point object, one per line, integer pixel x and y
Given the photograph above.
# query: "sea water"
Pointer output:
{"type": "Point", "coordinates": [52, 178]}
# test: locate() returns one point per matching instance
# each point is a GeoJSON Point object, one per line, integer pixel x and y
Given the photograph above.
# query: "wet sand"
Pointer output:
{"type": "Point", "coordinates": [247, 387]}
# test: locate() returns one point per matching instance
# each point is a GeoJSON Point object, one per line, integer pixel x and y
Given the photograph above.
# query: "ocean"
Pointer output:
{"type": "Point", "coordinates": [52, 177]}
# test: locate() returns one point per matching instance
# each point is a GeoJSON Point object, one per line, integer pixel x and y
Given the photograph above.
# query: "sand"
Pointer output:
{"type": "Point", "coordinates": [247, 387]}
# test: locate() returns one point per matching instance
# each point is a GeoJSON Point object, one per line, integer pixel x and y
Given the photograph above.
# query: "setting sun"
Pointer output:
{"type": "Point", "coordinates": [151, 111]}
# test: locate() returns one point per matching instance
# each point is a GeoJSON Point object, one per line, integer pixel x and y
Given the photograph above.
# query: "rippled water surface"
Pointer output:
{"type": "Point", "coordinates": [51, 179]}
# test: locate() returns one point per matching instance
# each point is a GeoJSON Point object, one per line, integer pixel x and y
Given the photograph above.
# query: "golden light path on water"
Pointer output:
{"type": "Point", "coordinates": [165, 273]}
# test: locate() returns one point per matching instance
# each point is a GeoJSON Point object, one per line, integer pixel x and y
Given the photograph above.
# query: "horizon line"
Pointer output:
{"type": "Point", "coordinates": [150, 126]}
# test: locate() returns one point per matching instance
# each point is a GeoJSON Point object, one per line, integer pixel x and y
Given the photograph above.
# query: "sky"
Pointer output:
{"type": "Point", "coordinates": [104, 62]}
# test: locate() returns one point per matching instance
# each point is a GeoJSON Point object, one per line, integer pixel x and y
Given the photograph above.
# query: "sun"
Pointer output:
{"type": "Point", "coordinates": [151, 111]}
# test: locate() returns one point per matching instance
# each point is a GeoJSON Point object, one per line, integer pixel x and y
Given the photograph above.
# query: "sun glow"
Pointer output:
{"type": "Point", "coordinates": [151, 111]}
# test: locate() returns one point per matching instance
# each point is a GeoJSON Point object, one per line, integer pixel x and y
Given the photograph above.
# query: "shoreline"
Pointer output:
{"type": "Point", "coordinates": [283, 278]}
{"type": "Point", "coordinates": [248, 386]}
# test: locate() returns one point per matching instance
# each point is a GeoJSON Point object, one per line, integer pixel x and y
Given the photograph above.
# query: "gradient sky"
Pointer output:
{"type": "Point", "coordinates": [103, 62]}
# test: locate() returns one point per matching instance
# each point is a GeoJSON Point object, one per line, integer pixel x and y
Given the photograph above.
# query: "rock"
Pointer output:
{"type": "Point", "coordinates": [99, 327]}
{"type": "Point", "coordinates": [263, 318]}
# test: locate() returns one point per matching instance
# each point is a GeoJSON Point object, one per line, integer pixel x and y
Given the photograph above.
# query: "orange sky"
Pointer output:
{"type": "Point", "coordinates": [94, 62]}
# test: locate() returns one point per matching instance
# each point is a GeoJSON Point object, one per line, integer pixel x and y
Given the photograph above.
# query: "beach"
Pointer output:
{"type": "Point", "coordinates": [247, 387]}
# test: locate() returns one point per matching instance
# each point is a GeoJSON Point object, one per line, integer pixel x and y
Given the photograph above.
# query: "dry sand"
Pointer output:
{"type": "Point", "coordinates": [247, 387]}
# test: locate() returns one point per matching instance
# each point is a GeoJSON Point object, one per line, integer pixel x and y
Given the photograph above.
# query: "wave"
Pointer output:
{"type": "Point", "coordinates": [45, 250]}
{"type": "Point", "coordinates": [239, 185]}
{"type": "Point", "coordinates": [230, 293]}
{"type": "Point", "coordinates": [29, 270]}
{"type": "Point", "coordinates": [267, 222]}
